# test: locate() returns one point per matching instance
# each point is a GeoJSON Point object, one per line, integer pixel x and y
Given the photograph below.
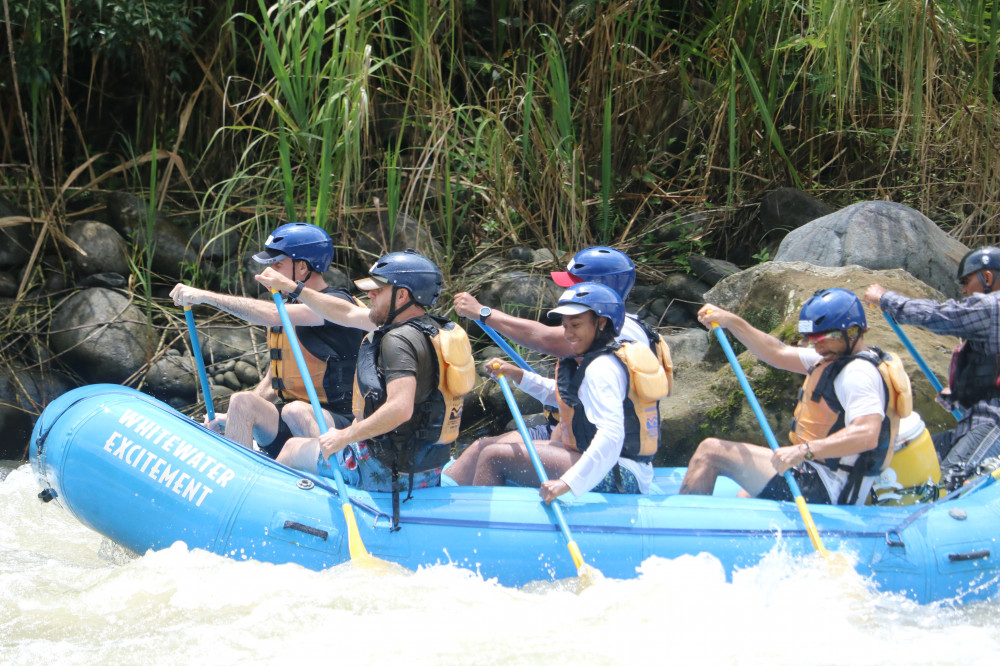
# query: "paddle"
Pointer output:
{"type": "Point", "coordinates": [583, 570]}
{"type": "Point", "coordinates": [357, 549]}
{"type": "Point", "coordinates": [199, 362]}
{"type": "Point", "coordinates": [956, 412]}
{"type": "Point", "coordinates": [507, 349]}
{"type": "Point", "coordinates": [793, 485]}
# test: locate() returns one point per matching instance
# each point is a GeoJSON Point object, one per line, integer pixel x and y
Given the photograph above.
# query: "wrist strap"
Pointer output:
{"type": "Point", "coordinates": [299, 286]}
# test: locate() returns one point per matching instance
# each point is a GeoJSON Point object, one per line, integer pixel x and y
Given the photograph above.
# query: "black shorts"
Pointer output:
{"type": "Point", "coordinates": [274, 448]}
{"type": "Point", "coordinates": [809, 482]}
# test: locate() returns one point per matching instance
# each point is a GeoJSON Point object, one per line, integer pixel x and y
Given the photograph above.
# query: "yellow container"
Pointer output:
{"type": "Point", "coordinates": [914, 465]}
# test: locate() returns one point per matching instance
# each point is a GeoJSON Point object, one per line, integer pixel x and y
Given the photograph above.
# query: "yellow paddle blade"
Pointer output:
{"type": "Point", "coordinates": [360, 556]}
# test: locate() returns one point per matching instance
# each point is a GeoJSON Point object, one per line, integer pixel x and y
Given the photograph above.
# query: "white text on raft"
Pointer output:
{"type": "Point", "coordinates": [183, 483]}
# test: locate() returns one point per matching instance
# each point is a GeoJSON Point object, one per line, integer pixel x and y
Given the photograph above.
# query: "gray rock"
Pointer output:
{"type": "Point", "coordinates": [23, 394]}
{"type": "Point", "coordinates": [230, 379]}
{"type": "Point", "coordinates": [688, 345]}
{"type": "Point", "coordinates": [101, 334]}
{"type": "Point", "coordinates": [220, 342]}
{"type": "Point", "coordinates": [106, 280]}
{"type": "Point", "coordinates": [15, 241]}
{"type": "Point", "coordinates": [105, 249]}
{"type": "Point", "coordinates": [526, 295]}
{"type": "Point", "coordinates": [173, 247]}
{"type": "Point", "coordinates": [785, 209]}
{"type": "Point", "coordinates": [246, 373]}
{"type": "Point", "coordinates": [710, 271]}
{"type": "Point", "coordinates": [878, 235]}
{"type": "Point", "coordinates": [173, 377]}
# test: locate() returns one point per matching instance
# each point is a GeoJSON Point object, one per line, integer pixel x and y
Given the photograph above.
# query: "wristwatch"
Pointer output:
{"type": "Point", "coordinates": [484, 313]}
{"type": "Point", "coordinates": [299, 286]}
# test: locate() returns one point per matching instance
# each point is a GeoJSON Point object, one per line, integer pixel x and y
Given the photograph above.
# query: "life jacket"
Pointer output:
{"type": "Point", "coordinates": [973, 376]}
{"type": "Point", "coordinates": [421, 444]}
{"type": "Point", "coordinates": [647, 385]}
{"type": "Point", "coordinates": [819, 414]}
{"type": "Point", "coordinates": [330, 352]}
{"type": "Point", "coordinates": [660, 349]}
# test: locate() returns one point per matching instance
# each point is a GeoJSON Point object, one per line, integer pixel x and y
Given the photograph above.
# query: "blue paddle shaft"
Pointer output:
{"type": "Point", "coordinates": [533, 454]}
{"type": "Point", "coordinates": [720, 334]}
{"type": "Point", "coordinates": [926, 369]}
{"type": "Point", "coordinates": [300, 361]}
{"type": "Point", "coordinates": [507, 349]}
{"type": "Point", "coordinates": [199, 361]}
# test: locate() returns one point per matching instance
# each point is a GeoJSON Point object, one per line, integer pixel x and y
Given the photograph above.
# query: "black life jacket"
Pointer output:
{"type": "Point", "coordinates": [423, 442]}
{"type": "Point", "coordinates": [330, 352]}
{"type": "Point", "coordinates": [974, 375]}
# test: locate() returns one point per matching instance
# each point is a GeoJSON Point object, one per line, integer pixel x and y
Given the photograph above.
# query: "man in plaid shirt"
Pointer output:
{"type": "Point", "coordinates": [975, 374]}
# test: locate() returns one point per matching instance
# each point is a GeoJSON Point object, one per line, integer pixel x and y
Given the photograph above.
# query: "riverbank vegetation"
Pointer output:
{"type": "Point", "coordinates": [652, 126]}
{"type": "Point", "coordinates": [555, 126]}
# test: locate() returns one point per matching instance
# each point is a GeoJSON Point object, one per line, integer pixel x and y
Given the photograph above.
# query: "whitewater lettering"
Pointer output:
{"type": "Point", "coordinates": [177, 464]}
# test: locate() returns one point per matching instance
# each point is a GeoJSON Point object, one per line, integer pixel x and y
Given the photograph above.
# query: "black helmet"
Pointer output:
{"type": "Point", "coordinates": [984, 258]}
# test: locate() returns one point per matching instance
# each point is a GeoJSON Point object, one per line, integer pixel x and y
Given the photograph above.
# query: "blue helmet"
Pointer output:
{"type": "Point", "coordinates": [599, 298]}
{"type": "Point", "coordinates": [406, 269]}
{"type": "Point", "coordinates": [832, 310]}
{"type": "Point", "coordinates": [605, 265]}
{"type": "Point", "coordinates": [984, 258]}
{"type": "Point", "coordinates": [300, 241]}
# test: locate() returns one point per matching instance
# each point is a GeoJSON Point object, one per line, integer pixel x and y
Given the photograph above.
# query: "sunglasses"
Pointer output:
{"type": "Point", "coordinates": [810, 339]}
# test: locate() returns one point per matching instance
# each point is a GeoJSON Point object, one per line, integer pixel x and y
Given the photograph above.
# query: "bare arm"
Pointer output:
{"type": "Point", "coordinates": [329, 307]}
{"type": "Point", "coordinates": [763, 345]}
{"type": "Point", "coordinates": [394, 412]}
{"type": "Point", "coordinates": [857, 437]}
{"type": "Point", "coordinates": [250, 310]}
{"type": "Point", "coordinates": [526, 332]}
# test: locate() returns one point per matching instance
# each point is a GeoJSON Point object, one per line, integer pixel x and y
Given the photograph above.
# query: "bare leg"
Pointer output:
{"type": "Point", "coordinates": [302, 450]}
{"type": "Point", "coordinates": [300, 453]}
{"type": "Point", "coordinates": [464, 470]}
{"type": "Point", "coordinates": [251, 417]}
{"type": "Point", "coordinates": [498, 464]}
{"type": "Point", "coordinates": [301, 420]}
{"type": "Point", "coordinates": [747, 464]}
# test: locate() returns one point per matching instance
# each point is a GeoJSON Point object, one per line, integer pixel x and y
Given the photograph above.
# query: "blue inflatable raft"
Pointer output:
{"type": "Point", "coordinates": [146, 476]}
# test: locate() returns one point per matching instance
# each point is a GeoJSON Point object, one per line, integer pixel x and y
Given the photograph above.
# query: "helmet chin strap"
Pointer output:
{"type": "Point", "coordinates": [987, 288]}
{"type": "Point", "coordinates": [393, 310]}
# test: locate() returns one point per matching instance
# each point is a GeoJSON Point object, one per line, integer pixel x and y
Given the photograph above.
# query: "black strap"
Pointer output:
{"type": "Point", "coordinates": [616, 471]}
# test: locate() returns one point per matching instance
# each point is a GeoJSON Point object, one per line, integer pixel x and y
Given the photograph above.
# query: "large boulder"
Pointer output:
{"type": "Point", "coordinates": [708, 400]}
{"type": "Point", "coordinates": [102, 335]}
{"type": "Point", "coordinates": [172, 376]}
{"type": "Point", "coordinates": [104, 250]}
{"type": "Point", "coordinates": [173, 248]}
{"type": "Point", "coordinates": [878, 235]}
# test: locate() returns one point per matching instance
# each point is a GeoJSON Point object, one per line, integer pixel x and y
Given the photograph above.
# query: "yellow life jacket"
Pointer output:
{"type": "Point", "coordinates": [659, 347]}
{"type": "Point", "coordinates": [330, 352]}
{"type": "Point", "coordinates": [819, 412]}
{"type": "Point", "coordinates": [648, 383]}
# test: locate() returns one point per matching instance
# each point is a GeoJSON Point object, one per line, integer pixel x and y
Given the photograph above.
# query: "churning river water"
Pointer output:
{"type": "Point", "coordinates": [70, 596]}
